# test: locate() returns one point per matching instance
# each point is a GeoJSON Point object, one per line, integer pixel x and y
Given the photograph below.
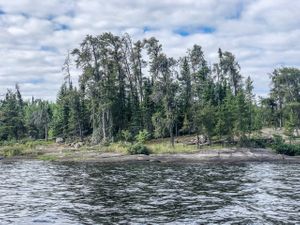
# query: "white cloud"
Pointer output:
{"type": "Point", "coordinates": [36, 35]}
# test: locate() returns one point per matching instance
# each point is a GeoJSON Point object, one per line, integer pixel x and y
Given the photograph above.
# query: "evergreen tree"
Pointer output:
{"type": "Point", "coordinates": [133, 88]}
{"type": "Point", "coordinates": [12, 124]}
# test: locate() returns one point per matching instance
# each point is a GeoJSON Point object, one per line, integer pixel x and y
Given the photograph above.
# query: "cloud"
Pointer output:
{"type": "Point", "coordinates": [36, 35]}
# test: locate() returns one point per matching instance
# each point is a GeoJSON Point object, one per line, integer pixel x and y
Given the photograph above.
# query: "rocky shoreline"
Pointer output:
{"type": "Point", "coordinates": [226, 155]}
{"type": "Point", "coordinates": [206, 156]}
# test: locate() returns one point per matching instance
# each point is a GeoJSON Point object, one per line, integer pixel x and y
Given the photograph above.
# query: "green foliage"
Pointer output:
{"type": "Point", "coordinates": [33, 144]}
{"type": "Point", "coordinates": [287, 149]}
{"type": "Point", "coordinates": [38, 118]}
{"type": "Point", "coordinates": [142, 136]}
{"type": "Point", "coordinates": [47, 157]}
{"type": "Point", "coordinates": [166, 148]}
{"type": "Point", "coordinates": [256, 142]}
{"type": "Point", "coordinates": [138, 148]}
{"type": "Point", "coordinates": [117, 99]}
{"type": "Point", "coordinates": [282, 107]}
{"type": "Point", "coordinates": [278, 140]}
{"type": "Point", "coordinates": [126, 135]}
{"type": "Point", "coordinates": [11, 151]}
{"type": "Point", "coordinates": [11, 116]}
{"type": "Point", "coordinates": [158, 121]}
{"type": "Point", "coordinates": [207, 120]}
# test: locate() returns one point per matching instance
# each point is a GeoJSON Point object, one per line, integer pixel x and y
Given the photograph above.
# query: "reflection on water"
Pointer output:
{"type": "Point", "coordinates": [33, 192]}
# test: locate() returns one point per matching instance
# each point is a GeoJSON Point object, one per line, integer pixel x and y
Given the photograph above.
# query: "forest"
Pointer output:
{"type": "Point", "coordinates": [128, 87]}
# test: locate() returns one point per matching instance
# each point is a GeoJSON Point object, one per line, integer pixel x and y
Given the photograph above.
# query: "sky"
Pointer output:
{"type": "Point", "coordinates": [35, 35]}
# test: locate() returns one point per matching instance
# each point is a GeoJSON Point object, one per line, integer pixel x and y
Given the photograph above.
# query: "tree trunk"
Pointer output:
{"type": "Point", "coordinates": [103, 126]}
{"type": "Point", "coordinates": [198, 141]}
{"type": "Point", "coordinates": [80, 131]}
{"type": "Point", "coordinates": [172, 139]}
{"type": "Point", "coordinates": [46, 132]}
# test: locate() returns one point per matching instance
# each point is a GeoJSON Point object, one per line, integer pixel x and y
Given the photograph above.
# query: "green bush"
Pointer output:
{"type": "Point", "coordinates": [256, 142]}
{"type": "Point", "coordinates": [287, 149]}
{"type": "Point", "coordinates": [282, 148]}
{"type": "Point", "coordinates": [8, 143]}
{"type": "Point", "coordinates": [142, 136]}
{"type": "Point", "coordinates": [278, 140]}
{"type": "Point", "coordinates": [126, 135]}
{"type": "Point", "coordinates": [138, 148]}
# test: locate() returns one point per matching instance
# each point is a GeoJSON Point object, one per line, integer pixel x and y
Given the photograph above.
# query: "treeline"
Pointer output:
{"type": "Point", "coordinates": [126, 87]}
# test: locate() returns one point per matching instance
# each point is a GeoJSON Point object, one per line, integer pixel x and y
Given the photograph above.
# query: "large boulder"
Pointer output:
{"type": "Point", "coordinates": [59, 140]}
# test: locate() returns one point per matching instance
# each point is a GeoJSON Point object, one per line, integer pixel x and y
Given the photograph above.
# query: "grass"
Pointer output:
{"type": "Point", "coordinates": [161, 146]}
{"type": "Point", "coordinates": [166, 148]}
{"type": "Point", "coordinates": [35, 144]}
{"type": "Point", "coordinates": [117, 147]}
{"type": "Point", "coordinates": [47, 157]}
{"type": "Point", "coordinates": [22, 148]}
{"type": "Point", "coordinates": [40, 150]}
{"type": "Point", "coordinates": [10, 151]}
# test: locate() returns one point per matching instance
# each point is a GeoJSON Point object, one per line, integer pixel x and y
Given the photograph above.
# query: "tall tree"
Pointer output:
{"type": "Point", "coordinates": [12, 124]}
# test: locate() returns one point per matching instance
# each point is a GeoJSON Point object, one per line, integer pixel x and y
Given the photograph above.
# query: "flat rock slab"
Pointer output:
{"type": "Point", "coordinates": [217, 156]}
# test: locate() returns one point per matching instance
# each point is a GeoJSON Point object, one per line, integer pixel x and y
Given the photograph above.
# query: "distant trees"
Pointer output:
{"type": "Point", "coordinates": [11, 116]}
{"type": "Point", "coordinates": [39, 118]}
{"type": "Point", "coordinates": [284, 100]}
{"type": "Point", "coordinates": [129, 88]}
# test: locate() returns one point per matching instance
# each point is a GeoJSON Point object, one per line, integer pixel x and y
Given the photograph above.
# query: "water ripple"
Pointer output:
{"type": "Point", "coordinates": [33, 192]}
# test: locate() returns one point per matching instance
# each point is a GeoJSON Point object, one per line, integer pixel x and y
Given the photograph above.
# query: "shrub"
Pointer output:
{"type": "Point", "coordinates": [287, 149]}
{"type": "Point", "coordinates": [256, 142]}
{"type": "Point", "coordinates": [126, 135]}
{"type": "Point", "coordinates": [278, 140]}
{"type": "Point", "coordinates": [9, 143]}
{"type": "Point", "coordinates": [138, 148]}
{"type": "Point", "coordinates": [142, 136]}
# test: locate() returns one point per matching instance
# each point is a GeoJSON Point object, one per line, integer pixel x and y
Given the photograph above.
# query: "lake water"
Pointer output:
{"type": "Point", "coordinates": [33, 192]}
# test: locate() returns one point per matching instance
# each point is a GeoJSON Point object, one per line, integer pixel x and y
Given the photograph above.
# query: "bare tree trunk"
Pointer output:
{"type": "Point", "coordinates": [172, 139]}
{"type": "Point", "coordinates": [109, 124]}
{"type": "Point", "coordinates": [198, 141]}
{"type": "Point", "coordinates": [103, 126]}
{"type": "Point", "coordinates": [80, 131]}
{"type": "Point", "coordinates": [46, 132]}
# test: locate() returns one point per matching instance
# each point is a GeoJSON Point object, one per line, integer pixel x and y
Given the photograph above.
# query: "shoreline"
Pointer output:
{"type": "Point", "coordinates": [215, 156]}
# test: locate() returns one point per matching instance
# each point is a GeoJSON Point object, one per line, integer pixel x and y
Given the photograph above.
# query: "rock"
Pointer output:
{"type": "Point", "coordinates": [197, 140]}
{"type": "Point", "coordinates": [78, 145]}
{"type": "Point", "coordinates": [59, 140]}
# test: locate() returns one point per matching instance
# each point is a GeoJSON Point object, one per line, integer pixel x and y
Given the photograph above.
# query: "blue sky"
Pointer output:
{"type": "Point", "coordinates": [36, 35]}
